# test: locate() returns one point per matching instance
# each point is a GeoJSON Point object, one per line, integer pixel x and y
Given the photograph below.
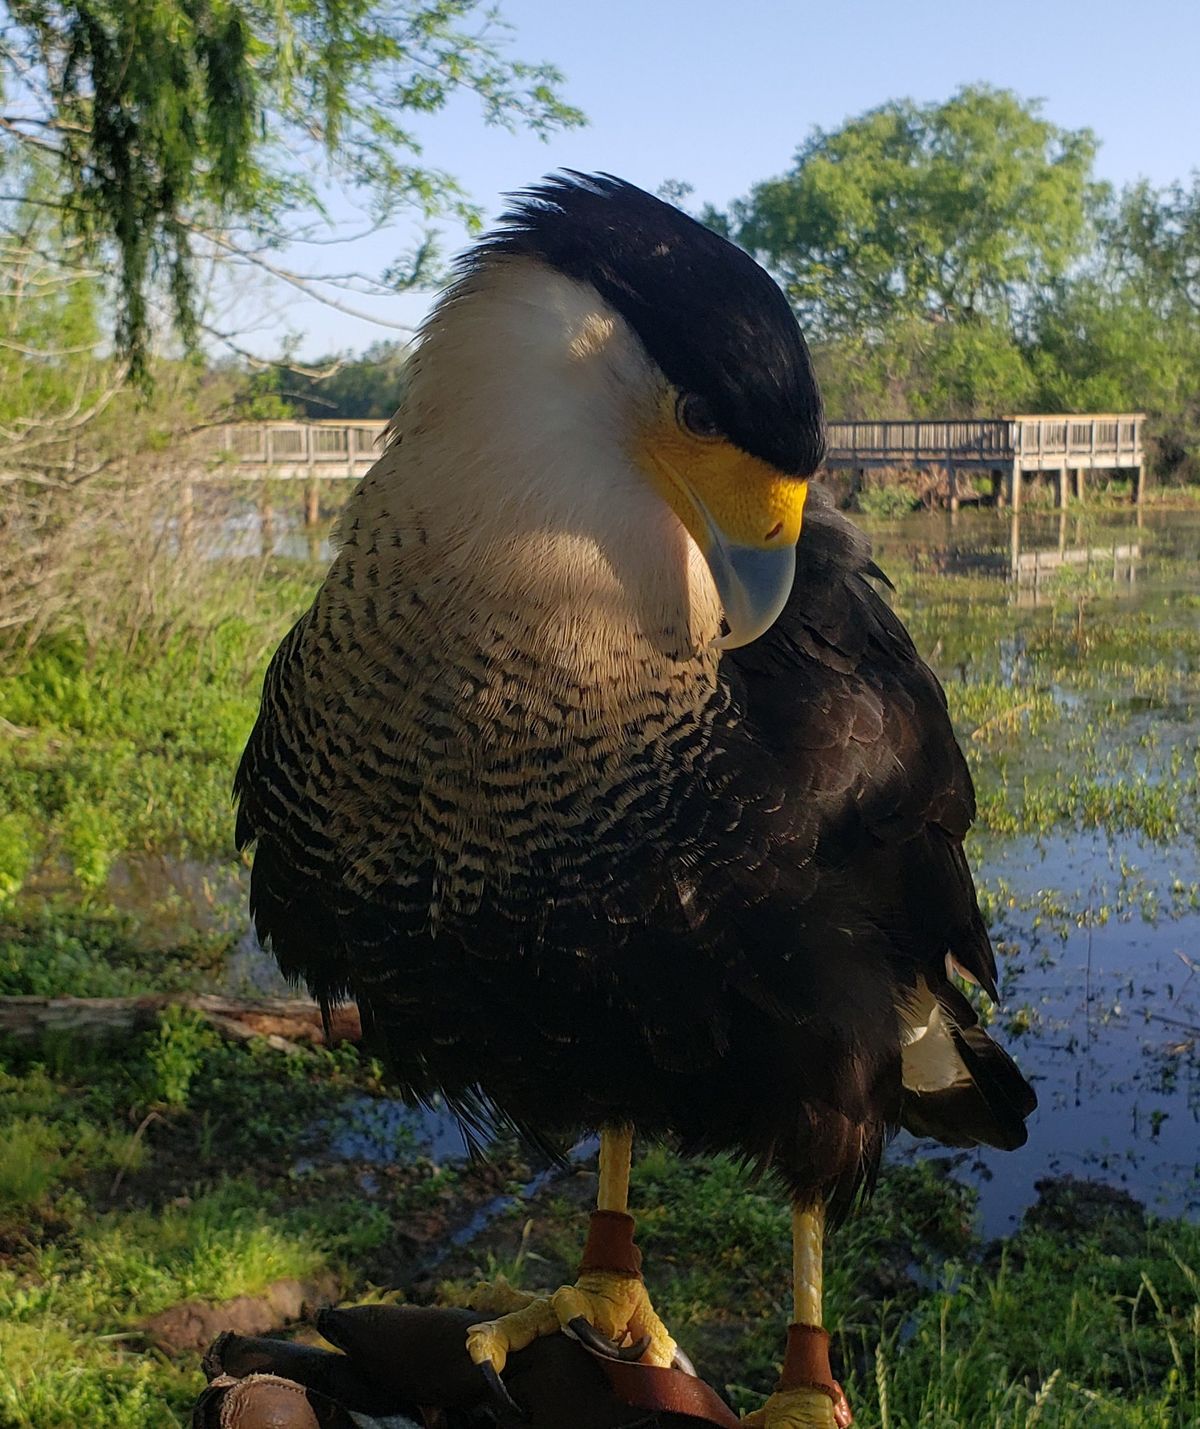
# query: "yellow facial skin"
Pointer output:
{"type": "Point", "coordinates": [743, 513]}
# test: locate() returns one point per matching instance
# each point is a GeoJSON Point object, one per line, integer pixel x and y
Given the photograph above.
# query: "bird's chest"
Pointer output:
{"type": "Point", "coordinates": [520, 773]}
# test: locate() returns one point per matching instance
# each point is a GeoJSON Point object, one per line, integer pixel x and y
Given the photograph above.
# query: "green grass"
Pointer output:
{"type": "Point", "coordinates": [886, 503]}
{"type": "Point", "coordinates": [167, 1167]}
{"type": "Point", "coordinates": [115, 753]}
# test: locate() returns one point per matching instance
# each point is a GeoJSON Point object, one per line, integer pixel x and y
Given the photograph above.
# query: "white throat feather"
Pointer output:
{"type": "Point", "coordinates": [512, 456]}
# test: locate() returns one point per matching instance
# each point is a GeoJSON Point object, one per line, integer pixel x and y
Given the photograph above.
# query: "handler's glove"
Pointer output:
{"type": "Point", "coordinates": [401, 1367]}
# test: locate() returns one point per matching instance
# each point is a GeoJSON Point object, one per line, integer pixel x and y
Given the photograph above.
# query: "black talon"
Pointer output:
{"type": "Point", "coordinates": [632, 1353]}
{"type": "Point", "coordinates": [505, 1404]}
{"type": "Point", "coordinates": [588, 1335]}
{"type": "Point", "coordinates": [213, 1364]}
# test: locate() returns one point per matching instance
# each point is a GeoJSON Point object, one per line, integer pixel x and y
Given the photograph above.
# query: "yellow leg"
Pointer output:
{"type": "Point", "coordinates": [799, 1401]}
{"type": "Point", "coordinates": [616, 1161]}
{"type": "Point", "coordinates": [808, 1265]}
{"type": "Point", "coordinates": [609, 1294]}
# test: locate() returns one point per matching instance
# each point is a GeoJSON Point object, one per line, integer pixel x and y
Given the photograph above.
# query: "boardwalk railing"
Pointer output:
{"type": "Point", "coordinates": [981, 443]}
{"type": "Point", "coordinates": [1035, 442]}
{"type": "Point", "coordinates": [1008, 447]}
{"type": "Point", "coordinates": [284, 450]}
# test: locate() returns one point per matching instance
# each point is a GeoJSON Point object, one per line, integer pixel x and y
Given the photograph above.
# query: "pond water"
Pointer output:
{"type": "Point", "coordinates": [1070, 647]}
{"type": "Point", "coordinates": [1094, 884]}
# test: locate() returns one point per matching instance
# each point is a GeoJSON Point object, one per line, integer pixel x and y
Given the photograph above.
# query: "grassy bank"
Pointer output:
{"type": "Point", "coordinates": [177, 1167]}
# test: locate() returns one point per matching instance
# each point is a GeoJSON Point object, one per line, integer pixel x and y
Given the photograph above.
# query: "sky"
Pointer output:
{"type": "Point", "coordinates": [720, 94]}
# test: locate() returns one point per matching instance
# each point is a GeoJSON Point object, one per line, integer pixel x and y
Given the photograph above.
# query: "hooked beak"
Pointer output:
{"type": "Point", "coordinates": [742, 513]}
{"type": "Point", "coordinates": [754, 582]}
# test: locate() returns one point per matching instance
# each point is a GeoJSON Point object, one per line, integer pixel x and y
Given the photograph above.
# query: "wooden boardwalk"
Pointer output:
{"type": "Point", "coordinates": [1008, 451]}
{"type": "Point", "coordinates": [289, 450]}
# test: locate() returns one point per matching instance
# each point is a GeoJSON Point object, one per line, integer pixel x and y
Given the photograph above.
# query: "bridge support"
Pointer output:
{"type": "Point", "coordinates": [1064, 483]}
{"type": "Point", "coordinates": [266, 526]}
{"type": "Point", "coordinates": [1014, 487]}
{"type": "Point", "coordinates": [1139, 483]}
{"type": "Point", "coordinates": [312, 502]}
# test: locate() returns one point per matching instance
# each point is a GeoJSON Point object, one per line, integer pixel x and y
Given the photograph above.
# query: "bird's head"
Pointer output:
{"type": "Point", "coordinates": [604, 334]}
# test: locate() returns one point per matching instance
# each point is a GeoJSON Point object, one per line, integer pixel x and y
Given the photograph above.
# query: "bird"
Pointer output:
{"type": "Point", "coordinates": [604, 778]}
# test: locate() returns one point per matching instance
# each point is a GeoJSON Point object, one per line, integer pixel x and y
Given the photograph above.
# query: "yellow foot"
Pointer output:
{"type": "Point", "coordinates": [612, 1304]}
{"type": "Point", "coordinates": [796, 1409]}
{"type": "Point", "coordinates": [497, 1297]}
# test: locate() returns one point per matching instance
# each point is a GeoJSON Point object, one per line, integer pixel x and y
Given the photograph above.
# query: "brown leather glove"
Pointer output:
{"type": "Point", "coordinates": [400, 1366]}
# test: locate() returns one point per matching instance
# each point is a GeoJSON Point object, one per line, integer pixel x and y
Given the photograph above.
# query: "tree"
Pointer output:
{"type": "Point", "coordinates": [924, 369]}
{"type": "Point", "coordinates": [176, 129]}
{"type": "Point", "coordinates": [1154, 240]}
{"type": "Point", "coordinates": [369, 385]}
{"type": "Point", "coordinates": [1123, 332]}
{"type": "Point", "coordinates": [948, 212]}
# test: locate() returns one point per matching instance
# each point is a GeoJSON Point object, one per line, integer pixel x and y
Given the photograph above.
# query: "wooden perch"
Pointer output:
{"type": "Point", "coordinates": [284, 1022]}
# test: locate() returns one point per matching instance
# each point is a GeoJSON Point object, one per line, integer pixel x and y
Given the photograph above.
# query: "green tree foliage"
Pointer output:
{"type": "Point", "coordinates": [50, 321]}
{"type": "Point", "coordinates": [1155, 241]}
{"type": "Point", "coordinates": [922, 369]}
{"type": "Point", "coordinates": [1123, 334]}
{"type": "Point", "coordinates": [369, 385]}
{"type": "Point", "coordinates": [947, 212]}
{"type": "Point", "coordinates": [90, 468]}
{"type": "Point", "coordinates": [179, 127]}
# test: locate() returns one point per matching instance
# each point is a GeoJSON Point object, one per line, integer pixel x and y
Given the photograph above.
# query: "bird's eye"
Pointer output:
{"type": "Point", "coordinates": [694, 415]}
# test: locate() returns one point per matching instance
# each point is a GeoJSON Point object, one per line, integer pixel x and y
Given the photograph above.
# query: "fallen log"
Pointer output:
{"type": "Point", "coordinates": [286, 1023]}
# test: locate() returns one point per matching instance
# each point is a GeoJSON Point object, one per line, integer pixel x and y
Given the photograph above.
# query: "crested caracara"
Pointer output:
{"type": "Point", "coordinates": [602, 777]}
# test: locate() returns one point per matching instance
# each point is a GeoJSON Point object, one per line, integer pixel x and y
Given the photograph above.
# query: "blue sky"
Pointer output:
{"type": "Point", "coordinates": [719, 95]}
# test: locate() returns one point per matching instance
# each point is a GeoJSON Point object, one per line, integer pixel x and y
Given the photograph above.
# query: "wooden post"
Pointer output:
{"type": "Point", "coordinates": [951, 482]}
{"type": "Point", "coordinates": [1014, 486]}
{"type": "Point", "coordinates": [1080, 473]}
{"type": "Point", "coordinates": [1139, 483]}
{"type": "Point", "coordinates": [266, 522]}
{"type": "Point", "coordinates": [1064, 474]}
{"type": "Point", "coordinates": [998, 497]}
{"type": "Point", "coordinates": [312, 494]}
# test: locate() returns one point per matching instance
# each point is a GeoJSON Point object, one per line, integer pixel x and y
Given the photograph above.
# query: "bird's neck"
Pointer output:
{"type": "Point", "coordinates": [610, 612]}
{"type": "Point", "coordinates": [510, 459]}
{"type": "Point", "coordinates": [529, 686]}
{"type": "Point", "coordinates": [562, 545]}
